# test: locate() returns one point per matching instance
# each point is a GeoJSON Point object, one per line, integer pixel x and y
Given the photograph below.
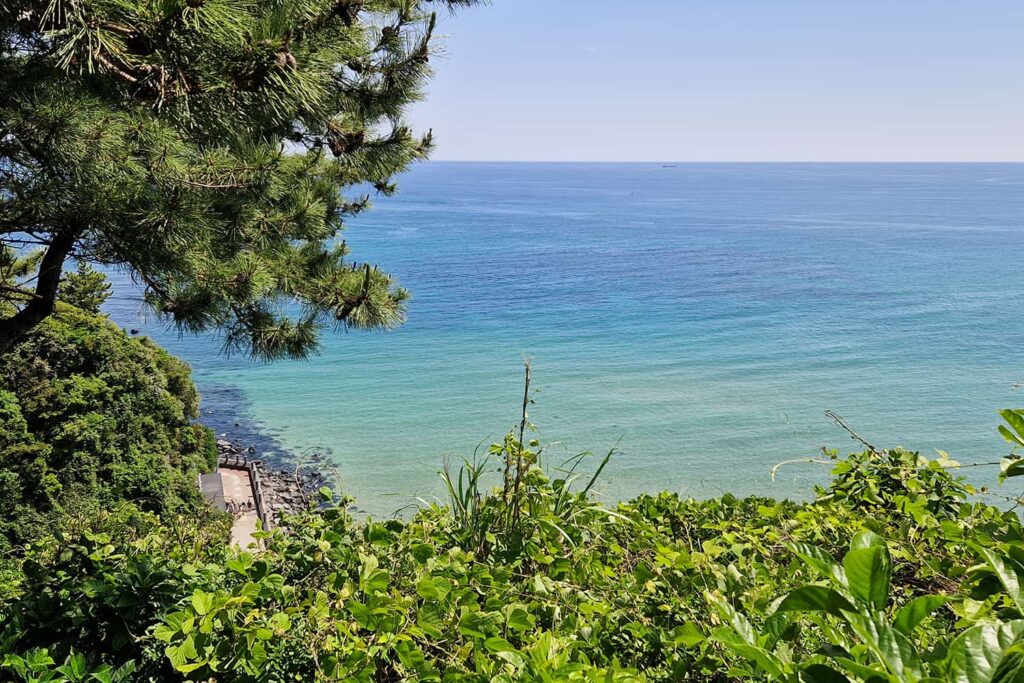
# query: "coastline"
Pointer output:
{"type": "Point", "coordinates": [252, 491]}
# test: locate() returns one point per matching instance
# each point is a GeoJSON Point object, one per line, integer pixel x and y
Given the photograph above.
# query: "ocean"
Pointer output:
{"type": "Point", "coordinates": [701, 317]}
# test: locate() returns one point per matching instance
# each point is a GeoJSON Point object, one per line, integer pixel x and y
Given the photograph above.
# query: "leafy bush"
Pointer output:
{"type": "Point", "coordinates": [865, 639]}
{"type": "Point", "coordinates": [894, 572]}
{"type": "Point", "coordinates": [534, 581]}
{"type": "Point", "coordinates": [91, 418]}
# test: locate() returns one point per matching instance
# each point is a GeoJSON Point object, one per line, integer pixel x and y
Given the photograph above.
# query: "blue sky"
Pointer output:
{"type": "Point", "coordinates": [731, 80]}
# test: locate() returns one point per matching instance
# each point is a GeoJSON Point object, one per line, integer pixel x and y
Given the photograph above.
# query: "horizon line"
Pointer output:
{"type": "Point", "coordinates": [711, 161]}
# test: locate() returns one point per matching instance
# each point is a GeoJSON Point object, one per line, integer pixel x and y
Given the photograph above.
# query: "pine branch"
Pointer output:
{"type": "Point", "coordinates": [206, 148]}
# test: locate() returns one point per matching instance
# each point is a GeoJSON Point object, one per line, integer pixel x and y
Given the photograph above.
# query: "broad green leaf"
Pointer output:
{"type": "Point", "coordinates": [367, 564]}
{"type": "Point", "coordinates": [412, 657]}
{"type": "Point", "coordinates": [474, 624]}
{"type": "Point", "coordinates": [360, 612]}
{"type": "Point", "coordinates": [430, 621]}
{"type": "Point", "coordinates": [122, 672]}
{"type": "Point", "coordinates": [767, 661]}
{"type": "Point", "coordinates": [819, 673]}
{"type": "Point", "coordinates": [165, 632]}
{"type": "Point", "coordinates": [433, 588]}
{"type": "Point", "coordinates": [976, 654]}
{"type": "Point", "coordinates": [375, 581]}
{"type": "Point", "coordinates": [422, 552]}
{"type": "Point", "coordinates": [241, 563]}
{"type": "Point", "coordinates": [1014, 418]}
{"type": "Point", "coordinates": [170, 627]}
{"type": "Point", "coordinates": [821, 561]}
{"type": "Point", "coordinates": [741, 627]}
{"type": "Point", "coordinates": [1010, 467]}
{"type": "Point", "coordinates": [518, 619]}
{"type": "Point", "coordinates": [74, 667]}
{"type": "Point", "coordinates": [188, 668]}
{"type": "Point", "coordinates": [182, 656]}
{"type": "Point", "coordinates": [1011, 668]}
{"type": "Point", "coordinates": [874, 674]}
{"type": "Point", "coordinates": [497, 644]}
{"type": "Point", "coordinates": [911, 614]}
{"type": "Point", "coordinates": [258, 653]}
{"type": "Point", "coordinates": [426, 589]}
{"type": "Point", "coordinates": [188, 648]}
{"type": "Point", "coordinates": [866, 539]}
{"type": "Point", "coordinates": [250, 589]}
{"type": "Point", "coordinates": [202, 602]}
{"type": "Point", "coordinates": [893, 649]}
{"type": "Point", "coordinates": [687, 635]}
{"type": "Point", "coordinates": [868, 569]}
{"type": "Point", "coordinates": [104, 674]}
{"type": "Point", "coordinates": [280, 622]}
{"type": "Point", "coordinates": [1010, 436]}
{"type": "Point", "coordinates": [1006, 570]}
{"type": "Point", "coordinates": [512, 658]}
{"type": "Point", "coordinates": [815, 599]}
{"type": "Point", "coordinates": [274, 581]}
{"type": "Point", "coordinates": [774, 627]}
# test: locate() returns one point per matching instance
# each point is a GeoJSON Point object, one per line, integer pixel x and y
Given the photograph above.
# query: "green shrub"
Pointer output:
{"type": "Point", "coordinates": [534, 581]}
{"type": "Point", "coordinates": [894, 572]}
{"type": "Point", "coordinates": [91, 418]}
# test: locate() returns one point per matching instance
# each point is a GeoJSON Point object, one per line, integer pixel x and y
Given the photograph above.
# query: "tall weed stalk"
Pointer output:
{"type": "Point", "coordinates": [529, 506]}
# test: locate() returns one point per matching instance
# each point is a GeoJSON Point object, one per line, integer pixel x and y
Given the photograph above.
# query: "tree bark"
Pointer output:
{"type": "Point", "coordinates": [42, 304]}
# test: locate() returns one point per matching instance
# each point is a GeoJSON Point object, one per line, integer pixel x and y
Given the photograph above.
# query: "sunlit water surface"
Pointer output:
{"type": "Point", "coordinates": [702, 316]}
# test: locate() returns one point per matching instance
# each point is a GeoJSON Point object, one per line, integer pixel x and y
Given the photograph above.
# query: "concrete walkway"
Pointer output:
{"type": "Point", "coordinates": [238, 495]}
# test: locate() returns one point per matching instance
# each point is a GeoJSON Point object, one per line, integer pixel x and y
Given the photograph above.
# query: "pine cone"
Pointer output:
{"type": "Point", "coordinates": [345, 143]}
{"type": "Point", "coordinates": [286, 60]}
{"type": "Point", "coordinates": [355, 141]}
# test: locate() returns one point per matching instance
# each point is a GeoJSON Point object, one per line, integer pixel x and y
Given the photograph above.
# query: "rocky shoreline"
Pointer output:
{"type": "Point", "coordinates": [277, 491]}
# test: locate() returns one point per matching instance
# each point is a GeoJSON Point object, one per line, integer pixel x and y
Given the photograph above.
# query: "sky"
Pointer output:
{"type": "Point", "coordinates": [730, 80]}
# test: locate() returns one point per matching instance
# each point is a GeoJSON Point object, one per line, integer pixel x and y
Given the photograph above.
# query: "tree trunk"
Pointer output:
{"type": "Point", "coordinates": [41, 306]}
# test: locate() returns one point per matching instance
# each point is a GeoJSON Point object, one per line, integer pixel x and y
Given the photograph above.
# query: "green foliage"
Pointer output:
{"type": "Point", "coordinates": [866, 640]}
{"type": "Point", "coordinates": [90, 419]}
{"type": "Point", "coordinates": [535, 581]}
{"type": "Point", "coordinates": [15, 268]}
{"type": "Point", "coordinates": [37, 666]}
{"type": "Point", "coordinates": [207, 147]}
{"type": "Point", "coordinates": [1013, 432]}
{"type": "Point", "coordinates": [893, 573]}
{"type": "Point", "coordinates": [898, 478]}
{"type": "Point", "coordinates": [867, 618]}
{"type": "Point", "coordinates": [85, 288]}
{"type": "Point", "coordinates": [531, 503]}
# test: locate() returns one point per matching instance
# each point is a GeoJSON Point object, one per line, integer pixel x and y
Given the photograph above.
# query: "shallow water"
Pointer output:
{"type": "Point", "coordinates": [702, 316]}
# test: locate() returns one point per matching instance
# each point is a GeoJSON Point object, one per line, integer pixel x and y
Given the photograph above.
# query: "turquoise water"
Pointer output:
{"type": "Point", "coordinates": [703, 316]}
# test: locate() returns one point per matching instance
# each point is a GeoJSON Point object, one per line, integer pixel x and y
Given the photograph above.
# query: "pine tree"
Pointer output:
{"type": "Point", "coordinates": [212, 149]}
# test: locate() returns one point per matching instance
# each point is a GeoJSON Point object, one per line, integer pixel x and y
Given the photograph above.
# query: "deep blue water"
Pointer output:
{"type": "Point", "coordinates": [706, 315]}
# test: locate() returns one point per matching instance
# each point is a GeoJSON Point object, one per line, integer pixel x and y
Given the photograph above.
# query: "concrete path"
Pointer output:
{"type": "Point", "coordinates": [238, 491]}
